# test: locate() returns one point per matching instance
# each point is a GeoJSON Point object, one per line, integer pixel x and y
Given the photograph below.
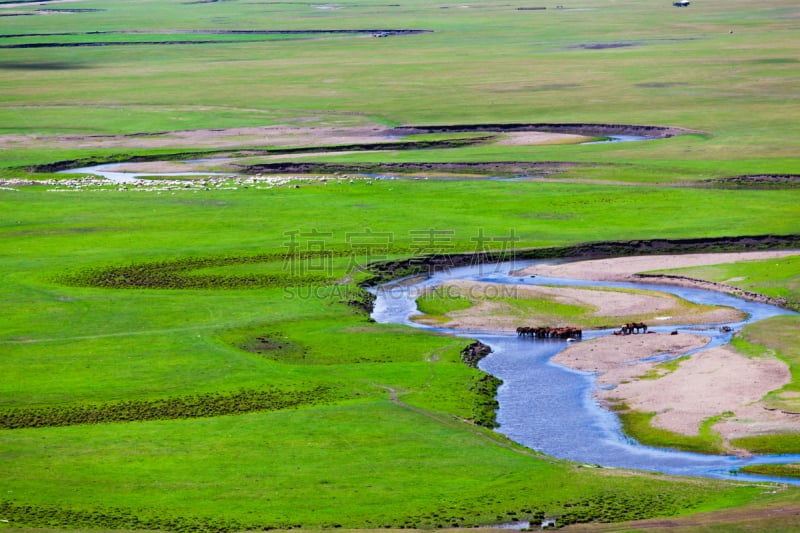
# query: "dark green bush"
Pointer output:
{"type": "Point", "coordinates": [179, 407]}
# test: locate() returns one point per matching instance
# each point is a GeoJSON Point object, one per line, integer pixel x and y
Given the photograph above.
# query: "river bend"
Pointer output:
{"type": "Point", "coordinates": [551, 408]}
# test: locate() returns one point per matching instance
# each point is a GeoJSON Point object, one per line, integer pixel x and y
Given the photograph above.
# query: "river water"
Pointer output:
{"type": "Point", "coordinates": [545, 406]}
{"type": "Point", "coordinates": [551, 408]}
{"type": "Point", "coordinates": [109, 170]}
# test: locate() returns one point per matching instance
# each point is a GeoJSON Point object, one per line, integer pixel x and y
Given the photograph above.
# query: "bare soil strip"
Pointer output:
{"type": "Point", "coordinates": [331, 137]}
{"type": "Point", "coordinates": [756, 182]}
{"type": "Point", "coordinates": [381, 32]}
{"type": "Point", "coordinates": [626, 268]}
{"type": "Point", "coordinates": [220, 32]}
{"type": "Point", "coordinates": [387, 271]}
{"type": "Point", "coordinates": [616, 306]}
{"type": "Point", "coordinates": [773, 517]}
{"type": "Point", "coordinates": [716, 382]}
{"type": "Point", "coordinates": [629, 269]}
{"type": "Point", "coordinates": [507, 168]}
{"type": "Point", "coordinates": [576, 128]}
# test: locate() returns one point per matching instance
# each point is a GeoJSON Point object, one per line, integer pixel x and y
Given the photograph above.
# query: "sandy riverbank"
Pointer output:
{"type": "Point", "coordinates": [707, 384]}
{"type": "Point", "coordinates": [718, 382]}
{"type": "Point", "coordinates": [494, 308]}
{"type": "Point", "coordinates": [625, 268]}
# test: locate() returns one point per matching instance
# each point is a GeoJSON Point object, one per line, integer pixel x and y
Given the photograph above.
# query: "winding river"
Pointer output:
{"type": "Point", "coordinates": [545, 406]}
{"type": "Point", "coordinates": [110, 171]}
{"type": "Point", "coordinates": [551, 408]}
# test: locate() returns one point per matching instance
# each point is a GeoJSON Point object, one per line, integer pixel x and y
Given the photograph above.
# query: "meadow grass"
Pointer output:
{"type": "Point", "coordinates": [683, 68]}
{"type": "Point", "coordinates": [320, 467]}
{"type": "Point", "coordinates": [436, 306]}
{"type": "Point", "coordinates": [395, 445]}
{"type": "Point", "coordinates": [638, 425]}
{"type": "Point", "coordinates": [778, 277]}
{"type": "Point", "coordinates": [790, 470]}
{"type": "Point", "coordinates": [76, 345]}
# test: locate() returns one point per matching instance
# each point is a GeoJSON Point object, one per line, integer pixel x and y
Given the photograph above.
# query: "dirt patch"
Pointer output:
{"type": "Point", "coordinates": [265, 344]}
{"type": "Point", "coordinates": [41, 65]}
{"type": "Point", "coordinates": [214, 32]}
{"type": "Point", "coordinates": [757, 182]}
{"type": "Point", "coordinates": [288, 33]}
{"type": "Point", "coordinates": [333, 138]}
{"type": "Point", "coordinates": [780, 516]}
{"type": "Point", "coordinates": [540, 137]}
{"type": "Point", "coordinates": [615, 306]}
{"type": "Point", "coordinates": [628, 269]}
{"type": "Point", "coordinates": [500, 169]}
{"type": "Point", "coordinates": [604, 46]}
{"type": "Point", "coordinates": [272, 346]}
{"type": "Point", "coordinates": [576, 128]}
{"type": "Point", "coordinates": [211, 139]}
{"type": "Point", "coordinates": [660, 85]}
{"type": "Point", "coordinates": [69, 11]}
{"type": "Point", "coordinates": [715, 382]}
{"type": "Point", "coordinates": [6, 5]}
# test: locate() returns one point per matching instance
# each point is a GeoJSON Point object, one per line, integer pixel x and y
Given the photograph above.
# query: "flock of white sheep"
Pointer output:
{"type": "Point", "coordinates": [200, 183]}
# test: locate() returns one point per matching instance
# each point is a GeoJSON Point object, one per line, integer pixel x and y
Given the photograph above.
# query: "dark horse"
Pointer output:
{"type": "Point", "coordinates": [568, 332]}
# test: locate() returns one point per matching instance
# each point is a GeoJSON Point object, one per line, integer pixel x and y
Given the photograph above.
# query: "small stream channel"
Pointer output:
{"type": "Point", "coordinates": [109, 170]}
{"type": "Point", "coordinates": [545, 406]}
{"type": "Point", "coordinates": [551, 408]}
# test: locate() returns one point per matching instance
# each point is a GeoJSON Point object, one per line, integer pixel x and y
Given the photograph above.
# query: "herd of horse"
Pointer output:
{"type": "Point", "coordinates": [573, 333]}
{"type": "Point", "coordinates": [632, 327]}
{"type": "Point", "coordinates": [550, 333]}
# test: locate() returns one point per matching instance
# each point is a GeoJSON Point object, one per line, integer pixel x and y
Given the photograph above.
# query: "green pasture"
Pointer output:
{"type": "Point", "coordinates": [790, 470]}
{"type": "Point", "coordinates": [778, 277]}
{"type": "Point", "coordinates": [47, 236]}
{"type": "Point", "coordinates": [396, 440]}
{"type": "Point", "coordinates": [722, 68]}
{"type": "Point", "coordinates": [68, 345]}
{"type": "Point", "coordinates": [638, 425]}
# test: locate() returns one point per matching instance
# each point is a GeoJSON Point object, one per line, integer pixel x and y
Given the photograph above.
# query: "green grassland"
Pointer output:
{"type": "Point", "coordinates": [774, 277]}
{"type": "Point", "coordinates": [384, 424]}
{"type": "Point", "coordinates": [682, 68]}
{"type": "Point", "coordinates": [638, 424]}
{"type": "Point", "coordinates": [790, 470]}
{"type": "Point", "coordinates": [69, 346]}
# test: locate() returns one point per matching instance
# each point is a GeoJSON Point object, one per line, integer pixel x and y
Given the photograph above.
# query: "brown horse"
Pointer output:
{"type": "Point", "coordinates": [544, 332]}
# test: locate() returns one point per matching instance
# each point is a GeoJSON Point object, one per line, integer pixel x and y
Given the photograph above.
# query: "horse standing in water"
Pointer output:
{"type": "Point", "coordinates": [631, 327]}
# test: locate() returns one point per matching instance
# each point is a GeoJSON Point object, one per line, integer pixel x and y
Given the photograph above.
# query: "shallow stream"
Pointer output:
{"type": "Point", "coordinates": [551, 408]}
{"type": "Point", "coordinates": [110, 171]}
